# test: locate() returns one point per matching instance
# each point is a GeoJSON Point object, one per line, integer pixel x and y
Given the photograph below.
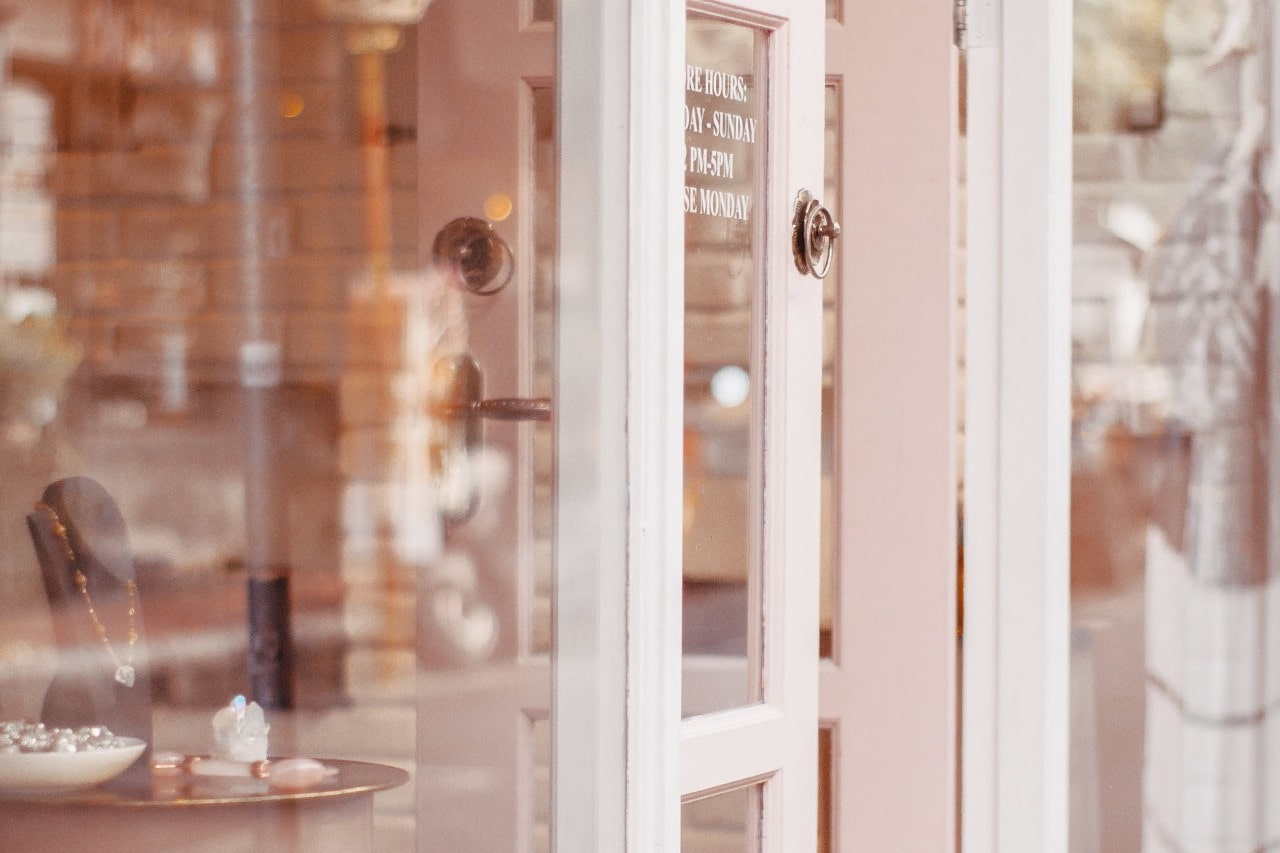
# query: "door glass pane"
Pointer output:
{"type": "Point", "coordinates": [724, 163]}
{"type": "Point", "coordinates": [724, 823]}
{"type": "Point", "coordinates": [1175, 517]}
{"type": "Point", "coordinates": [242, 247]}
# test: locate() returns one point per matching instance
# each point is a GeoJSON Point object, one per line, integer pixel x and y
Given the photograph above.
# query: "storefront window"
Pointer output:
{"type": "Point", "coordinates": [1174, 505]}
{"type": "Point", "coordinates": [238, 277]}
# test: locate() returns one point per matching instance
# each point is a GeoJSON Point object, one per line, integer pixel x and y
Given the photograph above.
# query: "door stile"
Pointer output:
{"type": "Point", "coordinates": [589, 754]}
{"type": "Point", "coordinates": [793, 370]}
{"type": "Point", "coordinates": [655, 343]}
{"type": "Point", "coordinates": [889, 691]}
{"type": "Point", "coordinates": [619, 362]}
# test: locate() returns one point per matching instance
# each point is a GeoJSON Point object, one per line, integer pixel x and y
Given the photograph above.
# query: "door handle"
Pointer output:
{"type": "Point", "coordinates": [814, 232]}
{"type": "Point", "coordinates": [458, 405]}
{"type": "Point", "coordinates": [462, 393]}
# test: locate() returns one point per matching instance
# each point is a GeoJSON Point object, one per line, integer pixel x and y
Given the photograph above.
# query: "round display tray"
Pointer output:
{"type": "Point", "coordinates": [185, 789]}
{"type": "Point", "coordinates": [42, 773]}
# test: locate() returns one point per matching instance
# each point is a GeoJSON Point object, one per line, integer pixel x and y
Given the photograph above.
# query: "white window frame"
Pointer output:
{"type": "Point", "coordinates": [1017, 425]}
{"type": "Point", "coordinates": [616, 741]}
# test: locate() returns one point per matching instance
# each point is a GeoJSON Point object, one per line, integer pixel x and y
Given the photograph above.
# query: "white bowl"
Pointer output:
{"type": "Point", "coordinates": [65, 771]}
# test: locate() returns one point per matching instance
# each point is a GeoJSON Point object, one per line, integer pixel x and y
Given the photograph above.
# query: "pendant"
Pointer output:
{"type": "Point", "coordinates": [125, 675]}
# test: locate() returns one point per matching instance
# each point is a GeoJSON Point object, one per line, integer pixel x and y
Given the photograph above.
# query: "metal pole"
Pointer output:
{"type": "Point", "coordinates": [270, 660]}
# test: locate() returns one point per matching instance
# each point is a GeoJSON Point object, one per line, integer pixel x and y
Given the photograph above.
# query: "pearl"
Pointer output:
{"type": "Point", "coordinates": [29, 737]}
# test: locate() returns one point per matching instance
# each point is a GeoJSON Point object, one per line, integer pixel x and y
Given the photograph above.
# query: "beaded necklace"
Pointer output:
{"type": "Point", "coordinates": [124, 673]}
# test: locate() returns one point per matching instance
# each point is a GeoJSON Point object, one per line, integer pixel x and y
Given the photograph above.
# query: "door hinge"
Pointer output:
{"type": "Point", "coordinates": [976, 23]}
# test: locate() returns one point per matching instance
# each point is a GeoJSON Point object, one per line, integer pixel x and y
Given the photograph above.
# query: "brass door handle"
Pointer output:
{"type": "Point", "coordinates": [814, 232]}
{"type": "Point", "coordinates": [460, 391]}
{"type": "Point", "coordinates": [458, 405]}
{"type": "Point", "coordinates": [513, 409]}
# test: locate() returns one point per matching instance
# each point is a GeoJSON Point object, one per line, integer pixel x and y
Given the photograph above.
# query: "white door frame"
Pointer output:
{"type": "Point", "coordinates": [623, 758]}
{"type": "Point", "coordinates": [617, 619]}
{"type": "Point", "coordinates": [1017, 429]}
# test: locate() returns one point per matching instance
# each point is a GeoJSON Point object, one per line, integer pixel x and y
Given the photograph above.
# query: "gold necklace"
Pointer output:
{"type": "Point", "coordinates": [125, 673]}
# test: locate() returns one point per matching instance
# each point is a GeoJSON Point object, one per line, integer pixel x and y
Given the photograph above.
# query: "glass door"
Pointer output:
{"type": "Point", "coordinates": [328, 335]}
{"type": "Point", "coordinates": [488, 220]}
{"type": "Point", "coordinates": [753, 301]}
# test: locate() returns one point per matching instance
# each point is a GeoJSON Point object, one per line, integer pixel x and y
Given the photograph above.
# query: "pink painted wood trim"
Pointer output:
{"type": "Point", "coordinates": [893, 690]}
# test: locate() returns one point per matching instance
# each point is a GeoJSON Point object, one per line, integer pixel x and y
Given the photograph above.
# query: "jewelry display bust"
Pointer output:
{"type": "Point", "coordinates": [83, 550]}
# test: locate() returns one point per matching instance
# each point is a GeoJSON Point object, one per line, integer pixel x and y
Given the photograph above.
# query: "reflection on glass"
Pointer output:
{"type": "Point", "coordinates": [539, 785]}
{"type": "Point", "coordinates": [545, 168]}
{"type": "Point", "coordinates": [193, 229]}
{"type": "Point", "coordinates": [723, 175]}
{"type": "Point", "coordinates": [1175, 514]}
{"type": "Point", "coordinates": [724, 823]}
{"type": "Point", "coordinates": [214, 305]}
{"type": "Point", "coordinates": [826, 790]}
{"type": "Point", "coordinates": [830, 545]}
{"type": "Point", "coordinates": [544, 11]}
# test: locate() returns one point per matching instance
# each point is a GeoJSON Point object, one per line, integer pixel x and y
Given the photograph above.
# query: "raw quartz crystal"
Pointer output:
{"type": "Point", "coordinates": [240, 731]}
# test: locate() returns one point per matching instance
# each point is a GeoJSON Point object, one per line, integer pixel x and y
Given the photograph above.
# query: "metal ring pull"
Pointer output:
{"type": "Point", "coordinates": [814, 232]}
{"type": "Point", "coordinates": [476, 257]}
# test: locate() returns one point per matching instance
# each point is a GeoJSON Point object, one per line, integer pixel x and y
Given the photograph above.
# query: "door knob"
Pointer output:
{"type": "Point", "coordinates": [478, 259]}
{"type": "Point", "coordinates": [814, 232]}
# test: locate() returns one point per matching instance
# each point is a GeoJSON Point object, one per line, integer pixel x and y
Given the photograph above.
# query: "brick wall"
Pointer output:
{"type": "Point", "coordinates": [166, 255]}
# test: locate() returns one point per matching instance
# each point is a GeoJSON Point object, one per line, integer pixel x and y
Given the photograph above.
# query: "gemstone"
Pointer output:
{"type": "Point", "coordinates": [125, 675]}
{"type": "Point", "coordinates": [296, 774]}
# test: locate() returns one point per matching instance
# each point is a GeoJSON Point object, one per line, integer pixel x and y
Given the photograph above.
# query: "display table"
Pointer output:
{"type": "Point", "coordinates": [195, 814]}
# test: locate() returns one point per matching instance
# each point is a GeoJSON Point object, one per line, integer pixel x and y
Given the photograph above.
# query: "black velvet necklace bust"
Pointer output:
{"type": "Point", "coordinates": [83, 550]}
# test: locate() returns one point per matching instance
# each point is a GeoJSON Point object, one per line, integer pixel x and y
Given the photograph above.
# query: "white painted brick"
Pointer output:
{"type": "Point", "coordinates": [1090, 330]}
{"type": "Point", "coordinates": [1162, 760]}
{"type": "Point", "coordinates": [1190, 25]}
{"type": "Point", "coordinates": [1185, 91]}
{"type": "Point", "coordinates": [1096, 157]}
{"type": "Point", "coordinates": [1271, 669]}
{"type": "Point", "coordinates": [1099, 270]}
{"type": "Point", "coordinates": [1178, 149]}
{"type": "Point", "coordinates": [1165, 599]}
{"type": "Point", "coordinates": [1271, 775]}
